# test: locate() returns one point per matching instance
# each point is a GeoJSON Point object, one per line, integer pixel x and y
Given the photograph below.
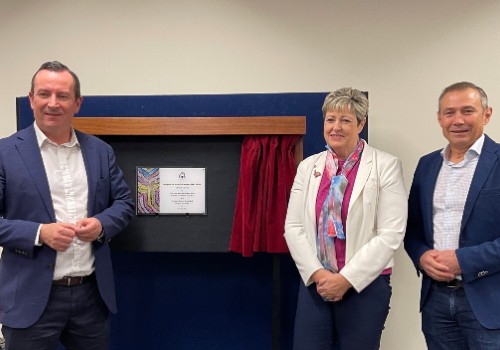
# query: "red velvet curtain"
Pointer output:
{"type": "Point", "coordinates": [267, 172]}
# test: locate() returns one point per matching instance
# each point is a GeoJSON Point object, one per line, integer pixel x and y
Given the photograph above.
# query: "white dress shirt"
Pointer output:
{"type": "Point", "coordinates": [68, 185]}
{"type": "Point", "coordinates": [450, 194]}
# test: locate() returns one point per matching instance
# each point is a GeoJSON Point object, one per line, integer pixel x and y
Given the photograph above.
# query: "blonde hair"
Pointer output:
{"type": "Point", "coordinates": [347, 97]}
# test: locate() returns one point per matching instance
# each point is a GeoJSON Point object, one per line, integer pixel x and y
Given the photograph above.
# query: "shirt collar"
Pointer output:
{"type": "Point", "coordinates": [43, 139]}
{"type": "Point", "coordinates": [473, 151]}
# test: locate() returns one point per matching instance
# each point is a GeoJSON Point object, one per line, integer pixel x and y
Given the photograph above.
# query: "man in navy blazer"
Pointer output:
{"type": "Point", "coordinates": [453, 231]}
{"type": "Point", "coordinates": [62, 199]}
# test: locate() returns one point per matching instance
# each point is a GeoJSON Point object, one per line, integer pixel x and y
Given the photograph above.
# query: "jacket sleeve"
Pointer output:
{"type": "Point", "coordinates": [383, 214]}
{"type": "Point", "coordinates": [415, 243]}
{"type": "Point", "coordinates": [114, 207]}
{"type": "Point", "coordinates": [300, 242]}
{"type": "Point", "coordinates": [479, 252]}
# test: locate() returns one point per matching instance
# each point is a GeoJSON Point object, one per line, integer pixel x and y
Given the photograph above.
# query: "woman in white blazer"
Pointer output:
{"type": "Point", "coordinates": [346, 218]}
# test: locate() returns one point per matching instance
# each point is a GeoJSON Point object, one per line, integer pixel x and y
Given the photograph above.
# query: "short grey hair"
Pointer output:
{"type": "Point", "coordinates": [55, 66]}
{"type": "Point", "coordinates": [347, 97]}
{"type": "Point", "coordinates": [464, 85]}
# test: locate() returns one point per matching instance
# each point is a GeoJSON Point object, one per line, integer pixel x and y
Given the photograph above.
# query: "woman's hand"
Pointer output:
{"type": "Point", "coordinates": [331, 286]}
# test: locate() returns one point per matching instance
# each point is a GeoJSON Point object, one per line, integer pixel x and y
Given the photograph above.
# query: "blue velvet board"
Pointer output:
{"type": "Point", "coordinates": [277, 104]}
{"type": "Point", "coordinates": [204, 300]}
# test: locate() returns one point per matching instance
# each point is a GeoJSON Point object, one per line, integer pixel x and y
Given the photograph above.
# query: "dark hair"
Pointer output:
{"type": "Point", "coordinates": [55, 66]}
{"type": "Point", "coordinates": [463, 85]}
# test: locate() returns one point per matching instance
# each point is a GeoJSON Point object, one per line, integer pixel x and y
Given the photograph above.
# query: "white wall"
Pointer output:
{"type": "Point", "coordinates": [403, 52]}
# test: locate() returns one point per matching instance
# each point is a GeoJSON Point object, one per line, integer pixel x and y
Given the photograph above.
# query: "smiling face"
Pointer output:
{"type": "Point", "coordinates": [341, 131]}
{"type": "Point", "coordinates": [462, 118]}
{"type": "Point", "coordinates": [54, 104]}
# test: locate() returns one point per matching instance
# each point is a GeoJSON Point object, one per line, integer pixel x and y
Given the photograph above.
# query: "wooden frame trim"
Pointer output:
{"type": "Point", "coordinates": [294, 125]}
{"type": "Point", "coordinates": [185, 126]}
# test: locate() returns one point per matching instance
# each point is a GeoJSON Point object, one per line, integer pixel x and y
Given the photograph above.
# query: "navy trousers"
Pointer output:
{"type": "Point", "coordinates": [356, 322]}
{"type": "Point", "coordinates": [449, 323]}
{"type": "Point", "coordinates": [76, 316]}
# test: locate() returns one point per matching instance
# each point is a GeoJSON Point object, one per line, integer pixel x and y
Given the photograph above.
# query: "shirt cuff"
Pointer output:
{"type": "Point", "coordinates": [37, 238]}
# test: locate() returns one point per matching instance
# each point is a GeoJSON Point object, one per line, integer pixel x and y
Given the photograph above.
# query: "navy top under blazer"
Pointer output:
{"type": "Point", "coordinates": [26, 270]}
{"type": "Point", "coordinates": [479, 242]}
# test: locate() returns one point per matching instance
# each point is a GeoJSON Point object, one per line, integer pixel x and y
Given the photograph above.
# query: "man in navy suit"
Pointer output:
{"type": "Point", "coordinates": [62, 198]}
{"type": "Point", "coordinates": [453, 231]}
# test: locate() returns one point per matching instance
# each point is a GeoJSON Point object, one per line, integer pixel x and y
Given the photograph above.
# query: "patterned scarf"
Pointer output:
{"type": "Point", "coordinates": [330, 222]}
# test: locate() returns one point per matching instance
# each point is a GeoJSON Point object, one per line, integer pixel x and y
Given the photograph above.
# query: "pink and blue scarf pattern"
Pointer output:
{"type": "Point", "coordinates": [330, 222]}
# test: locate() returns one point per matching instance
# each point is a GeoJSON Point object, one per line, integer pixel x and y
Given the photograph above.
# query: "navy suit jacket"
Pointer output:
{"type": "Point", "coordinates": [479, 242]}
{"type": "Point", "coordinates": [26, 270]}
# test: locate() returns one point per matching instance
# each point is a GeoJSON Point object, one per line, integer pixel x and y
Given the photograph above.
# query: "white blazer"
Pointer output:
{"type": "Point", "coordinates": [376, 221]}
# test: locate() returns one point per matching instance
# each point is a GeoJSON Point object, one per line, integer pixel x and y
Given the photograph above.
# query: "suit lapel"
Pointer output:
{"type": "Point", "coordinates": [315, 173]}
{"type": "Point", "coordinates": [486, 162]}
{"type": "Point", "coordinates": [429, 184]}
{"type": "Point", "coordinates": [90, 159]}
{"type": "Point", "coordinates": [30, 152]}
{"type": "Point", "coordinates": [365, 167]}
